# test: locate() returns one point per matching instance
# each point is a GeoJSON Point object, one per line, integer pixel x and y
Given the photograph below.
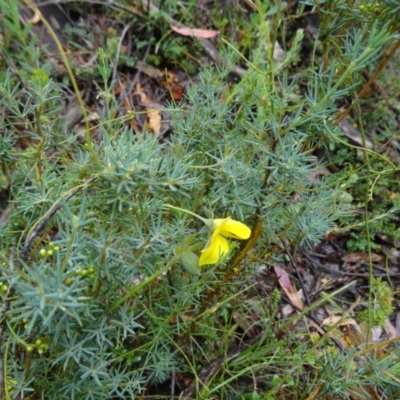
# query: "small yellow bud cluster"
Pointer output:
{"type": "Point", "coordinates": [69, 281]}
{"type": "Point", "coordinates": [370, 8]}
{"type": "Point", "coordinates": [26, 323]}
{"type": "Point", "coordinates": [49, 251]}
{"type": "Point", "coordinates": [85, 272]}
{"type": "Point", "coordinates": [38, 345]}
{"type": "Point", "coordinates": [3, 288]}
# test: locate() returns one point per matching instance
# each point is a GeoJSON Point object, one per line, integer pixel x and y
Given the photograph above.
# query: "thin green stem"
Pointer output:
{"type": "Point", "coordinates": [205, 221]}
{"type": "Point", "coordinates": [145, 282]}
{"type": "Point", "coordinates": [368, 198]}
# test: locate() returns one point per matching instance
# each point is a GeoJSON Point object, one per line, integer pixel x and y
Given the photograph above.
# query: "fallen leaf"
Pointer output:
{"type": "Point", "coordinates": [279, 53]}
{"type": "Point", "coordinates": [362, 257]}
{"type": "Point", "coordinates": [321, 171]}
{"type": "Point", "coordinates": [375, 334]}
{"type": "Point", "coordinates": [200, 33]}
{"type": "Point", "coordinates": [153, 115]}
{"type": "Point", "coordinates": [129, 112]}
{"type": "Point", "coordinates": [340, 321]}
{"type": "Point", "coordinates": [287, 286]}
{"type": "Point", "coordinates": [154, 122]}
{"type": "Point", "coordinates": [398, 324]}
{"type": "Point", "coordinates": [390, 329]}
{"type": "Point", "coordinates": [148, 69]}
{"type": "Point", "coordinates": [171, 82]}
{"type": "Point", "coordinates": [287, 309]}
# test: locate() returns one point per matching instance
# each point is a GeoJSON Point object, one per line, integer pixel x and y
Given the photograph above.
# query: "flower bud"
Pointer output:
{"type": "Point", "coordinates": [190, 261]}
{"type": "Point", "coordinates": [342, 196]}
{"type": "Point", "coordinates": [43, 253]}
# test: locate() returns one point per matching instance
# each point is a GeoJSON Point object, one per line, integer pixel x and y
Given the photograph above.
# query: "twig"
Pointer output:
{"type": "Point", "coordinates": [127, 27]}
{"type": "Point", "coordinates": [43, 221]}
{"type": "Point", "coordinates": [382, 65]}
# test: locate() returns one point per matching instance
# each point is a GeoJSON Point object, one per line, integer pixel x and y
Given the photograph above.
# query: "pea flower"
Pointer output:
{"type": "Point", "coordinates": [221, 229]}
{"type": "Point", "coordinates": [217, 245]}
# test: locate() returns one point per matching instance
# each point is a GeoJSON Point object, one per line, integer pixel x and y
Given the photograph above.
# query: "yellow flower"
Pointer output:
{"type": "Point", "coordinates": [217, 246]}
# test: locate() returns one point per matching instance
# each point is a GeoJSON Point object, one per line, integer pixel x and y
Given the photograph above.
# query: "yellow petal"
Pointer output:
{"type": "Point", "coordinates": [216, 247]}
{"type": "Point", "coordinates": [233, 229]}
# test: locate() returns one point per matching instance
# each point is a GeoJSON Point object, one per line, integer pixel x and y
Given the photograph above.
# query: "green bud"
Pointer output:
{"type": "Point", "coordinates": [75, 221]}
{"type": "Point", "coordinates": [109, 174]}
{"type": "Point", "coordinates": [189, 239]}
{"type": "Point", "coordinates": [50, 252]}
{"type": "Point", "coordinates": [345, 198]}
{"type": "Point", "coordinates": [38, 342]}
{"type": "Point", "coordinates": [190, 261]}
{"type": "Point", "coordinates": [29, 349]}
{"type": "Point", "coordinates": [40, 76]}
{"type": "Point", "coordinates": [43, 253]}
{"type": "Point", "coordinates": [342, 196]}
{"type": "Point", "coordinates": [40, 351]}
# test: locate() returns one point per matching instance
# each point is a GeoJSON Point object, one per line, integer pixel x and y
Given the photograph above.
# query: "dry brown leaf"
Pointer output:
{"type": "Point", "coordinates": [358, 257]}
{"type": "Point", "coordinates": [148, 69]}
{"type": "Point", "coordinates": [153, 114]}
{"type": "Point", "coordinates": [200, 33]}
{"type": "Point", "coordinates": [154, 122]}
{"type": "Point", "coordinates": [398, 323]}
{"type": "Point", "coordinates": [171, 82]}
{"type": "Point", "coordinates": [340, 321]}
{"type": "Point", "coordinates": [375, 334]}
{"type": "Point", "coordinates": [390, 329]}
{"type": "Point", "coordinates": [286, 285]}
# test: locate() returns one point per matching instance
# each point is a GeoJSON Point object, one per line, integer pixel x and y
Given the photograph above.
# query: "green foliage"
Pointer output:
{"type": "Point", "coordinates": [380, 307]}
{"type": "Point", "coordinates": [109, 302]}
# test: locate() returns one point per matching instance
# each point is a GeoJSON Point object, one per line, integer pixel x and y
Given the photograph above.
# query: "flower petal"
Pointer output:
{"type": "Point", "coordinates": [218, 225]}
{"type": "Point", "coordinates": [233, 229]}
{"type": "Point", "coordinates": [217, 246]}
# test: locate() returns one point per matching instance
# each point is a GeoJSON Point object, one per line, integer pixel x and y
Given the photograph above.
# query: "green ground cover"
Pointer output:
{"type": "Point", "coordinates": [161, 191]}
